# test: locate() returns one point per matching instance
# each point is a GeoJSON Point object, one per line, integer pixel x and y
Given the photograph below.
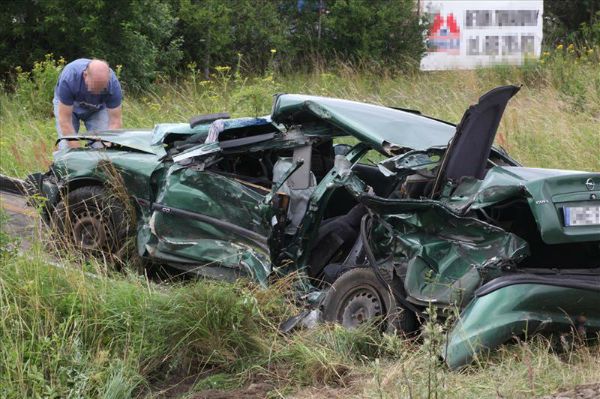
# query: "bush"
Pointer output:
{"type": "Point", "coordinates": [150, 38]}
{"type": "Point", "coordinates": [135, 34]}
{"type": "Point", "coordinates": [569, 21]}
{"type": "Point", "coordinates": [34, 90]}
{"type": "Point", "coordinates": [381, 31]}
{"type": "Point", "coordinates": [217, 32]}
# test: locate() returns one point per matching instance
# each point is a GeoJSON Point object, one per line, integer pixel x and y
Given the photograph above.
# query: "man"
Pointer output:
{"type": "Point", "coordinates": [88, 91]}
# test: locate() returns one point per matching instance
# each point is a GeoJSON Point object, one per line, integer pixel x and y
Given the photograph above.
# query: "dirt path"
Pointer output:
{"type": "Point", "coordinates": [21, 218]}
{"type": "Point", "coordinates": [589, 391]}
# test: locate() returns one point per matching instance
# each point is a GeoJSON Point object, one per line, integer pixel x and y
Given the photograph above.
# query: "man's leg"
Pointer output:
{"type": "Point", "coordinates": [62, 144]}
{"type": "Point", "coordinates": [97, 121]}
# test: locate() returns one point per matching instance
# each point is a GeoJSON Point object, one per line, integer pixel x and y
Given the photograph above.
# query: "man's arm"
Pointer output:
{"type": "Point", "coordinates": [115, 120]}
{"type": "Point", "coordinates": [65, 122]}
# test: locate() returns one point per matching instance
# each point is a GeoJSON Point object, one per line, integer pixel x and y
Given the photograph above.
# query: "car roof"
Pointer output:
{"type": "Point", "coordinates": [386, 129]}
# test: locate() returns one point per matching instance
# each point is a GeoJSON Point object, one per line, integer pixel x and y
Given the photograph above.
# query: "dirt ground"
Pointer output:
{"type": "Point", "coordinates": [21, 218]}
{"type": "Point", "coordinates": [588, 391]}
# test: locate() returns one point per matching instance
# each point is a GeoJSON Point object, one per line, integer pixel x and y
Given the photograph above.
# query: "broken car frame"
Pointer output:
{"type": "Point", "coordinates": [445, 220]}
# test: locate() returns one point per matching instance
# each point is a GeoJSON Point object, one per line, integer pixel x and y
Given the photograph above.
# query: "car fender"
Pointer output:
{"type": "Point", "coordinates": [522, 307]}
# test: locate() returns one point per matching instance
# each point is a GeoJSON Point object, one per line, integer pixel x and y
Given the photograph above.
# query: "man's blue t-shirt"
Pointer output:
{"type": "Point", "coordinates": [71, 90]}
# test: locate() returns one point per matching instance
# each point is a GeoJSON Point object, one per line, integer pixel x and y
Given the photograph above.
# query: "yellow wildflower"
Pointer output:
{"type": "Point", "coordinates": [273, 51]}
{"type": "Point", "coordinates": [559, 47]}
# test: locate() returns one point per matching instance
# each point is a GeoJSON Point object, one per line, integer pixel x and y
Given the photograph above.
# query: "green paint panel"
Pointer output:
{"type": "Point", "coordinates": [448, 256]}
{"type": "Point", "coordinates": [381, 127]}
{"type": "Point", "coordinates": [520, 310]}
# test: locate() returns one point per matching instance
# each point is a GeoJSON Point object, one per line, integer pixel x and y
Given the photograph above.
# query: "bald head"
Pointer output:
{"type": "Point", "coordinates": [96, 76]}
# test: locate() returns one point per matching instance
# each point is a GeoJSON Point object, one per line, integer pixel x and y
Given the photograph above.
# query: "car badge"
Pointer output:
{"type": "Point", "coordinates": [589, 184]}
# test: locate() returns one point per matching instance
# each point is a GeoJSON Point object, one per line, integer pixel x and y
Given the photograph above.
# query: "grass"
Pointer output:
{"type": "Point", "coordinates": [552, 123]}
{"type": "Point", "coordinates": [66, 333]}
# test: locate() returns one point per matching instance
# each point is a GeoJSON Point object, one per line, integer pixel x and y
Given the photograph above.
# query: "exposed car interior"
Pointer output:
{"type": "Point", "coordinates": [260, 168]}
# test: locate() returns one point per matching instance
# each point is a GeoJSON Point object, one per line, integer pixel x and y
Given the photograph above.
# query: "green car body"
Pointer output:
{"type": "Point", "coordinates": [263, 197]}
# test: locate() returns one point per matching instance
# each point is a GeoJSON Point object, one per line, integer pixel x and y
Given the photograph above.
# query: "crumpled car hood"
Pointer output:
{"type": "Point", "coordinates": [386, 129]}
{"type": "Point", "coordinates": [139, 140]}
{"type": "Point", "coordinates": [162, 130]}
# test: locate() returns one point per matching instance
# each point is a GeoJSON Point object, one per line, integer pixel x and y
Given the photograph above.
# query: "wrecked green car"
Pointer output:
{"type": "Point", "coordinates": [445, 219]}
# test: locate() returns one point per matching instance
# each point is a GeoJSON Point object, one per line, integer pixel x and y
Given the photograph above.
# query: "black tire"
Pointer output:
{"type": "Point", "coordinates": [91, 221]}
{"type": "Point", "coordinates": [358, 296]}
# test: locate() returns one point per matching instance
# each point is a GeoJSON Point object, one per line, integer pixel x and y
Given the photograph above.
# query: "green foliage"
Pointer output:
{"type": "Point", "coordinates": [562, 66]}
{"type": "Point", "coordinates": [215, 32]}
{"type": "Point", "coordinates": [34, 90]}
{"type": "Point", "coordinates": [154, 38]}
{"type": "Point", "coordinates": [136, 34]}
{"type": "Point", "coordinates": [382, 32]}
{"type": "Point", "coordinates": [375, 33]}
{"type": "Point", "coordinates": [573, 21]}
{"type": "Point", "coordinates": [590, 32]}
{"type": "Point", "coordinates": [64, 334]}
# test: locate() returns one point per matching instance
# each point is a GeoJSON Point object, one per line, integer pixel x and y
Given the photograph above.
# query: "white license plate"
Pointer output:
{"type": "Point", "coordinates": [582, 215]}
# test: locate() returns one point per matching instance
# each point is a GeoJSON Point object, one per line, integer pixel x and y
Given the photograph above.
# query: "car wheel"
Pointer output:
{"type": "Point", "coordinates": [88, 219]}
{"type": "Point", "coordinates": [358, 297]}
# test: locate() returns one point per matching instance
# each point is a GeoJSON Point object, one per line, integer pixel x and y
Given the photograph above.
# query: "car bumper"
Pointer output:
{"type": "Point", "coordinates": [523, 305]}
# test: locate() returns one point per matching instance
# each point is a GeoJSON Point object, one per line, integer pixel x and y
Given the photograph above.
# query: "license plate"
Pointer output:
{"type": "Point", "coordinates": [582, 215]}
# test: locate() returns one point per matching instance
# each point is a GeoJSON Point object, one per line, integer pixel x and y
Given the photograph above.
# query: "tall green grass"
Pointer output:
{"type": "Point", "coordinates": [65, 333]}
{"type": "Point", "coordinates": [553, 122]}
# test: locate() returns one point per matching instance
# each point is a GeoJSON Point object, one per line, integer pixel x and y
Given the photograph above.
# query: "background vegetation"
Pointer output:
{"type": "Point", "coordinates": [151, 38]}
{"type": "Point", "coordinates": [154, 39]}
{"type": "Point", "coordinates": [553, 122]}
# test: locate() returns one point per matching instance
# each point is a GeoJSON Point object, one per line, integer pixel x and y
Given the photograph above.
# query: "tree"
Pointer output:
{"type": "Point", "coordinates": [564, 20]}
{"type": "Point", "coordinates": [381, 30]}
{"type": "Point", "coordinates": [136, 34]}
{"type": "Point", "coordinates": [216, 31]}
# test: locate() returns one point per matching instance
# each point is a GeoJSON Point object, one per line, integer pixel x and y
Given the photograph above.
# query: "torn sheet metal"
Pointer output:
{"type": "Point", "coordinates": [448, 256]}
{"type": "Point", "coordinates": [212, 219]}
{"type": "Point", "coordinates": [521, 309]}
{"type": "Point", "coordinates": [381, 127]}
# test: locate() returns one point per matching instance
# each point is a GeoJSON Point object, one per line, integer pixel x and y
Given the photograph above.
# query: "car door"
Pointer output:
{"type": "Point", "coordinates": [216, 222]}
